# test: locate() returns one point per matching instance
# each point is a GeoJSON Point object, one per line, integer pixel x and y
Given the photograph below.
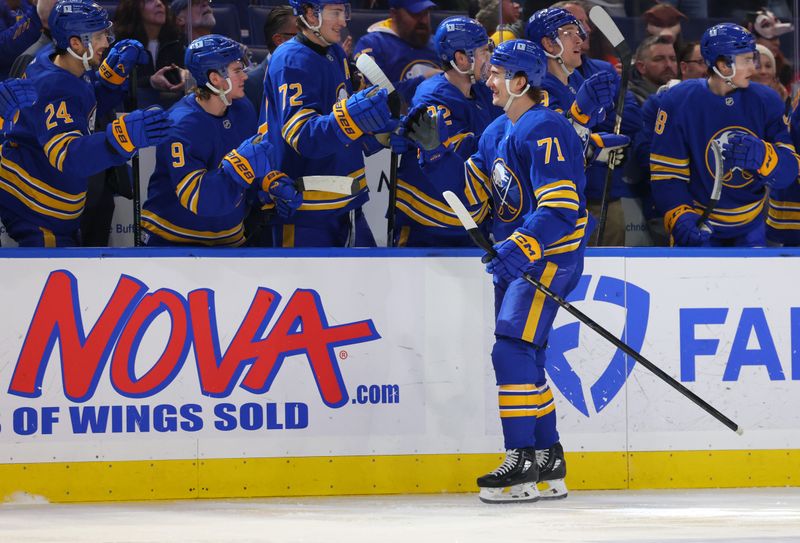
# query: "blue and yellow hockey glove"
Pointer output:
{"type": "Point", "coordinates": [750, 153]}
{"type": "Point", "coordinates": [15, 94]}
{"type": "Point", "coordinates": [282, 193]}
{"type": "Point", "coordinates": [248, 162]}
{"type": "Point", "coordinates": [121, 60]}
{"type": "Point", "coordinates": [427, 128]}
{"type": "Point", "coordinates": [681, 223]}
{"type": "Point", "coordinates": [514, 254]}
{"type": "Point", "coordinates": [594, 97]}
{"type": "Point", "coordinates": [140, 128]}
{"type": "Point", "coordinates": [602, 143]}
{"type": "Point", "coordinates": [365, 111]}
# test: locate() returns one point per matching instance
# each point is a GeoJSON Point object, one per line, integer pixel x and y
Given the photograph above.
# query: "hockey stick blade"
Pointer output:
{"type": "Point", "coordinates": [367, 66]}
{"type": "Point", "coordinates": [472, 228]}
{"type": "Point", "coordinates": [606, 25]}
{"type": "Point", "coordinates": [337, 184]}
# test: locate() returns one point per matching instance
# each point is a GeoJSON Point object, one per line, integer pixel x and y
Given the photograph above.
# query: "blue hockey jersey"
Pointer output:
{"type": "Point", "coordinates": [783, 214]}
{"type": "Point", "coordinates": [190, 200]}
{"type": "Point", "coordinates": [419, 194]}
{"type": "Point", "coordinates": [50, 152]}
{"type": "Point", "coordinates": [682, 163]}
{"type": "Point", "coordinates": [404, 65]}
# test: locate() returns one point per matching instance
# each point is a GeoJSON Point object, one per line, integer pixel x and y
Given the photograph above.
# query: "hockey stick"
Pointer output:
{"type": "Point", "coordinates": [137, 196]}
{"type": "Point", "coordinates": [602, 20]}
{"type": "Point", "coordinates": [716, 192]}
{"type": "Point", "coordinates": [478, 238]}
{"type": "Point", "coordinates": [338, 184]}
{"type": "Point", "coordinates": [367, 66]}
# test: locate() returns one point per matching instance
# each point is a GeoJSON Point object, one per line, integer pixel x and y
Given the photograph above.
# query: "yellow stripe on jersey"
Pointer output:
{"type": "Point", "coordinates": [291, 129]}
{"type": "Point", "coordinates": [569, 242]}
{"type": "Point", "coordinates": [38, 195]}
{"type": "Point", "coordinates": [736, 216]}
{"type": "Point", "coordinates": [56, 148]}
{"type": "Point", "coordinates": [318, 200]}
{"type": "Point", "coordinates": [477, 187]}
{"type": "Point", "coordinates": [783, 215]}
{"type": "Point", "coordinates": [188, 189]}
{"type": "Point", "coordinates": [172, 232]}
{"type": "Point", "coordinates": [560, 193]}
{"type": "Point", "coordinates": [669, 161]}
{"type": "Point", "coordinates": [535, 311]}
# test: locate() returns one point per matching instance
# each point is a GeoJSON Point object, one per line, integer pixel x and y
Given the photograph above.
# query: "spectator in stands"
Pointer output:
{"type": "Point", "coordinates": [202, 17]}
{"type": "Point", "coordinates": [401, 45]}
{"type": "Point", "coordinates": [766, 74]}
{"type": "Point", "coordinates": [147, 21]}
{"type": "Point", "coordinates": [665, 21]}
{"type": "Point", "coordinates": [509, 28]}
{"type": "Point", "coordinates": [655, 64]}
{"type": "Point", "coordinates": [696, 9]}
{"type": "Point", "coordinates": [20, 27]}
{"type": "Point", "coordinates": [43, 9]}
{"type": "Point", "coordinates": [767, 29]}
{"type": "Point", "coordinates": [691, 62]}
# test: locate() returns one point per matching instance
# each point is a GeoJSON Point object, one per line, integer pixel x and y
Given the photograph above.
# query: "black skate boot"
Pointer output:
{"type": "Point", "coordinates": [514, 481]}
{"type": "Point", "coordinates": [552, 470]}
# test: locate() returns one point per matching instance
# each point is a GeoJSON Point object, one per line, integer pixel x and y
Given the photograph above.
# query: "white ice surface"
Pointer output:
{"type": "Point", "coordinates": [730, 516]}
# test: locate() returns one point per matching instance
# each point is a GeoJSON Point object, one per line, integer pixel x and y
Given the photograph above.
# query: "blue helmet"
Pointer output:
{"type": "Point", "coordinates": [297, 5]}
{"type": "Point", "coordinates": [212, 53]}
{"type": "Point", "coordinates": [521, 56]}
{"type": "Point", "coordinates": [77, 18]}
{"type": "Point", "coordinates": [458, 34]}
{"type": "Point", "coordinates": [725, 40]}
{"type": "Point", "coordinates": [546, 22]}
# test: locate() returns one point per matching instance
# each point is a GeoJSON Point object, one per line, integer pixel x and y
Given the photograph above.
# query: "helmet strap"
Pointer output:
{"type": "Point", "coordinates": [512, 95]}
{"type": "Point", "coordinates": [470, 72]}
{"type": "Point", "coordinates": [223, 94]}
{"type": "Point", "coordinates": [727, 78]}
{"type": "Point", "coordinates": [88, 54]}
{"type": "Point", "coordinates": [315, 29]}
{"type": "Point", "coordinates": [558, 57]}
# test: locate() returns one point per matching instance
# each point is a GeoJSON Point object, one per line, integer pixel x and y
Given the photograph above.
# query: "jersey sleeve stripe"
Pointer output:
{"type": "Point", "coordinates": [669, 161]}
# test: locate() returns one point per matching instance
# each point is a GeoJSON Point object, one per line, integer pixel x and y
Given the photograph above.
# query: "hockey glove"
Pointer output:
{"type": "Point", "coordinates": [365, 111]}
{"type": "Point", "coordinates": [686, 232]}
{"type": "Point", "coordinates": [121, 60]}
{"type": "Point", "coordinates": [140, 128]}
{"type": "Point", "coordinates": [398, 139]}
{"type": "Point", "coordinates": [282, 193]}
{"type": "Point", "coordinates": [427, 128]}
{"type": "Point", "coordinates": [514, 254]}
{"type": "Point", "coordinates": [594, 96]}
{"type": "Point", "coordinates": [248, 162]}
{"type": "Point", "coordinates": [15, 94]}
{"type": "Point", "coordinates": [602, 143]}
{"type": "Point", "coordinates": [750, 153]}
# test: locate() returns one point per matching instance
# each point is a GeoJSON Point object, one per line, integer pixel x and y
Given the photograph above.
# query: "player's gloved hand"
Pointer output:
{"type": "Point", "coordinates": [602, 143]}
{"type": "Point", "coordinates": [15, 94]}
{"type": "Point", "coordinates": [398, 139]}
{"type": "Point", "coordinates": [427, 128]}
{"type": "Point", "coordinates": [686, 232]}
{"type": "Point", "coordinates": [281, 191]}
{"type": "Point", "coordinates": [365, 111]}
{"type": "Point", "coordinates": [595, 96]}
{"type": "Point", "coordinates": [749, 153]}
{"type": "Point", "coordinates": [121, 60]}
{"type": "Point", "coordinates": [514, 254]}
{"type": "Point", "coordinates": [249, 161]}
{"type": "Point", "coordinates": [140, 128]}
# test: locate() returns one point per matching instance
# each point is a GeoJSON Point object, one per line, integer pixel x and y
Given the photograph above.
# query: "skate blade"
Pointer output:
{"type": "Point", "coordinates": [525, 492]}
{"type": "Point", "coordinates": [552, 490]}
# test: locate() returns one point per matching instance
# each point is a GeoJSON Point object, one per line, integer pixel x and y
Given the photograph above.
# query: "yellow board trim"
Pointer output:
{"type": "Point", "coordinates": [332, 476]}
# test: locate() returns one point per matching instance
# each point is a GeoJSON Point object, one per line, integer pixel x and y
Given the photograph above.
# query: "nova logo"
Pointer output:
{"type": "Point", "coordinates": [300, 328]}
{"type": "Point", "coordinates": [566, 338]}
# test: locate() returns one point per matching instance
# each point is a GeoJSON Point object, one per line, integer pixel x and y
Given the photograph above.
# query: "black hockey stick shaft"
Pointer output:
{"type": "Point", "coordinates": [481, 241]}
{"type": "Point", "coordinates": [137, 197]}
{"type": "Point", "coordinates": [391, 211]}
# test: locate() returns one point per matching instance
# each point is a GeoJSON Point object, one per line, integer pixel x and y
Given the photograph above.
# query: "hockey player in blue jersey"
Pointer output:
{"type": "Point", "coordinates": [318, 127]}
{"type": "Point", "coordinates": [464, 103]}
{"type": "Point", "coordinates": [15, 94]}
{"type": "Point", "coordinates": [401, 45]}
{"type": "Point", "coordinates": [212, 167]}
{"type": "Point", "coordinates": [530, 167]}
{"type": "Point", "coordinates": [51, 150]}
{"type": "Point", "coordinates": [783, 214]}
{"type": "Point", "coordinates": [747, 120]}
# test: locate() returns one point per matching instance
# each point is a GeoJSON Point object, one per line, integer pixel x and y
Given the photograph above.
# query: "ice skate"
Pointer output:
{"type": "Point", "coordinates": [552, 470]}
{"type": "Point", "coordinates": [514, 481]}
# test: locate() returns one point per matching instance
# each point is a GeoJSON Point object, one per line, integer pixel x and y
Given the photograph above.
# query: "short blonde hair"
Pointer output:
{"type": "Point", "coordinates": [764, 51]}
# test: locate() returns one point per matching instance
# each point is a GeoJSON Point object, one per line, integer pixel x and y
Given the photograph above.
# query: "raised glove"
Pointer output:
{"type": "Point", "coordinates": [15, 94]}
{"type": "Point", "coordinates": [514, 254]}
{"type": "Point", "coordinates": [686, 232]}
{"type": "Point", "coordinates": [749, 153]}
{"type": "Point", "coordinates": [249, 161]}
{"type": "Point", "coordinates": [602, 143]}
{"type": "Point", "coordinates": [365, 111]}
{"type": "Point", "coordinates": [281, 191]}
{"type": "Point", "coordinates": [594, 96]}
{"type": "Point", "coordinates": [427, 128]}
{"type": "Point", "coordinates": [121, 60]}
{"type": "Point", "coordinates": [140, 128]}
{"type": "Point", "coordinates": [398, 139]}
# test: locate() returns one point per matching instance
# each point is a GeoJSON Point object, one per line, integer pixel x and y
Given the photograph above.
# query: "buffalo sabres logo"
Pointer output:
{"type": "Point", "coordinates": [418, 68]}
{"type": "Point", "coordinates": [735, 177]}
{"type": "Point", "coordinates": [507, 190]}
